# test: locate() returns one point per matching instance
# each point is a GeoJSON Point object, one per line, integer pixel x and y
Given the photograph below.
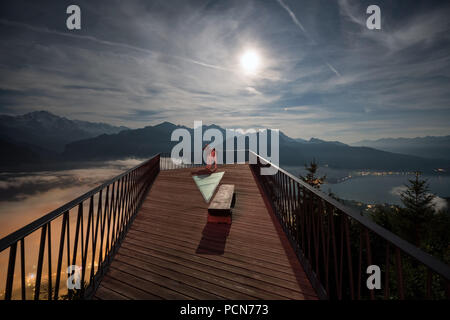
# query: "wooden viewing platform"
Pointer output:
{"type": "Point", "coordinates": [171, 252]}
{"type": "Point", "coordinates": [144, 234]}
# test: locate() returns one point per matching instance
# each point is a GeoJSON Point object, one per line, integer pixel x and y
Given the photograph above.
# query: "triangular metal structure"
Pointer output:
{"type": "Point", "coordinates": [207, 184]}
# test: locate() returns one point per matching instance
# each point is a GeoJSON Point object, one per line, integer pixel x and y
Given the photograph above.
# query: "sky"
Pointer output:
{"type": "Point", "coordinates": [322, 73]}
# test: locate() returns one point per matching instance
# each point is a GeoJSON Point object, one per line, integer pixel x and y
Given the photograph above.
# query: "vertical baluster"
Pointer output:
{"type": "Point", "coordinates": [10, 272]}
{"type": "Point", "coordinates": [37, 287]}
{"type": "Point", "coordinates": [142, 180]}
{"type": "Point", "coordinates": [369, 258]}
{"type": "Point", "coordinates": [447, 288]}
{"type": "Point", "coordinates": [114, 204]}
{"type": "Point", "coordinates": [349, 258]}
{"type": "Point", "coordinates": [286, 202]}
{"type": "Point", "coordinates": [308, 216]}
{"type": "Point", "coordinates": [289, 204]}
{"type": "Point", "coordinates": [300, 236]}
{"type": "Point", "coordinates": [132, 195]}
{"type": "Point", "coordinates": [102, 255]}
{"type": "Point", "coordinates": [276, 190]}
{"type": "Point", "coordinates": [316, 236]}
{"type": "Point", "coordinates": [327, 249]}
{"type": "Point", "coordinates": [86, 243]}
{"type": "Point", "coordinates": [280, 195]}
{"type": "Point", "coordinates": [341, 262]}
{"type": "Point", "coordinates": [386, 277]}
{"type": "Point", "coordinates": [400, 287]}
{"type": "Point", "coordinates": [78, 230]}
{"type": "Point", "coordinates": [22, 268]}
{"type": "Point", "coordinates": [136, 192]}
{"type": "Point", "coordinates": [283, 198]}
{"type": "Point", "coordinates": [313, 222]}
{"type": "Point", "coordinates": [121, 209]}
{"type": "Point", "coordinates": [49, 261]}
{"type": "Point", "coordinates": [68, 239]}
{"type": "Point", "coordinates": [360, 263]}
{"type": "Point", "coordinates": [323, 221]}
{"type": "Point", "coordinates": [303, 217]}
{"type": "Point", "coordinates": [429, 283]}
{"type": "Point", "coordinates": [118, 210]}
{"type": "Point", "coordinates": [127, 202]}
{"type": "Point", "coordinates": [95, 233]}
{"type": "Point", "coordinates": [60, 254]}
{"type": "Point", "coordinates": [124, 205]}
{"type": "Point", "coordinates": [335, 262]}
{"type": "Point", "coordinates": [292, 206]}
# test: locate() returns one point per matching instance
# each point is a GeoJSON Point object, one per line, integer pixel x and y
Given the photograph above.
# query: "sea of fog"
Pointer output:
{"type": "Point", "coordinates": [25, 197]}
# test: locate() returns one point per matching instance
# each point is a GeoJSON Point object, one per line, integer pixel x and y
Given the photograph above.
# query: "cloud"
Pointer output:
{"type": "Point", "coordinates": [252, 90]}
{"type": "Point", "coordinates": [19, 186]}
{"type": "Point", "coordinates": [350, 12]}
{"type": "Point", "coordinates": [422, 28]}
{"type": "Point", "coordinates": [293, 16]}
{"type": "Point", "coordinates": [142, 63]}
{"type": "Point", "coordinates": [104, 42]}
{"type": "Point", "coordinates": [298, 24]}
{"type": "Point", "coordinates": [397, 191]}
{"type": "Point", "coordinates": [438, 203]}
{"type": "Point", "coordinates": [298, 108]}
{"type": "Point", "coordinates": [333, 69]}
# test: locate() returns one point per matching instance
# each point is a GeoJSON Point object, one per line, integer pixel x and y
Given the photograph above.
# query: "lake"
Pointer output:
{"type": "Point", "coordinates": [375, 187]}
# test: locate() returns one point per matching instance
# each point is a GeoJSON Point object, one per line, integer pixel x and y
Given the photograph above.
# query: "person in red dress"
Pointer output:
{"type": "Point", "coordinates": [211, 157]}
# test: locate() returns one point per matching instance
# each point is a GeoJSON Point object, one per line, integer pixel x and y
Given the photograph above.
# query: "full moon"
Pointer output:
{"type": "Point", "coordinates": [250, 61]}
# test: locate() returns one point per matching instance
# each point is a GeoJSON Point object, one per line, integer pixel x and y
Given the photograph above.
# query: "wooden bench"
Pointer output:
{"type": "Point", "coordinates": [219, 210]}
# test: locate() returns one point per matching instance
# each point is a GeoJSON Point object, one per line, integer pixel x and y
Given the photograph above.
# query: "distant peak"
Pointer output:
{"type": "Point", "coordinates": [165, 124]}
{"type": "Point", "coordinates": [317, 140]}
{"type": "Point", "coordinates": [40, 113]}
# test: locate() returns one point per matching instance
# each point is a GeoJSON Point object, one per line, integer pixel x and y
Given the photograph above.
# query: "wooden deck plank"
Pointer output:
{"type": "Point", "coordinates": [104, 293]}
{"type": "Point", "coordinates": [152, 262]}
{"type": "Point", "coordinates": [224, 260]}
{"type": "Point", "coordinates": [148, 269]}
{"type": "Point", "coordinates": [245, 244]}
{"type": "Point", "coordinates": [127, 290]}
{"type": "Point", "coordinates": [243, 277]}
{"type": "Point", "coordinates": [171, 252]}
{"type": "Point", "coordinates": [247, 270]}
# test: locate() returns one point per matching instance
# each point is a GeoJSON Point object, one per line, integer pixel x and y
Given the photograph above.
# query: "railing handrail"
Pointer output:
{"type": "Point", "coordinates": [430, 261]}
{"type": "Point", "coordinates": [15, 236]}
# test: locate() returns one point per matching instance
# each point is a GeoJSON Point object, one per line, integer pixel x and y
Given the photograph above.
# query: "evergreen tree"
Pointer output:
{"type": "Point", "coordinates": [311, 178]}
{"type": "Point", "coordinates": [418, 207]}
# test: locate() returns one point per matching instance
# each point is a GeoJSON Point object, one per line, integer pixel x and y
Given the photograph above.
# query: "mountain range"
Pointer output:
{"type": "Point", "coordinates": [427, 147]}
{"type": "Point", "coordinates": [48, 131]}
{"type": "Point", "coordinates": [154, 139]}
{"type": "Point", "coordinates": [40, 137]}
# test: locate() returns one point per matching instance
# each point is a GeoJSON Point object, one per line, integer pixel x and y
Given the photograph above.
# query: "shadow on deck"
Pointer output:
{"type": "Point", "coordinates": [171, 252]}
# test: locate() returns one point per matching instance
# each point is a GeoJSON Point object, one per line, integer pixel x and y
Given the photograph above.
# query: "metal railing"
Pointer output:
{"type": "Point", "coordinates": [336, 244]}
{"type": "Point", "coordinates": [90, 230]}
{"type": "Point", "coordinates": [168, 163]}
